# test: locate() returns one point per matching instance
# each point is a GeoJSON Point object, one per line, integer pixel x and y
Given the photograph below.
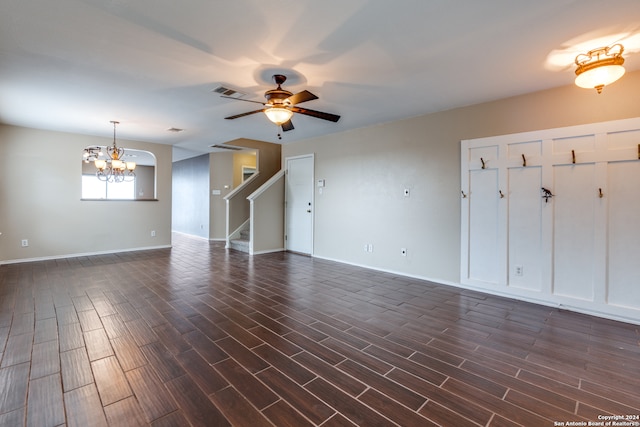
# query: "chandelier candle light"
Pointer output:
{"type": "Point", "coordinates": [599, 67]}
{"type": "Point", "coordinates": [113, 168]}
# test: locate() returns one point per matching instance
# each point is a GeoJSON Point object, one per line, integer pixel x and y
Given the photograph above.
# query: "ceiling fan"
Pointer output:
{"type": "Point", "coordinates": [281, 104]}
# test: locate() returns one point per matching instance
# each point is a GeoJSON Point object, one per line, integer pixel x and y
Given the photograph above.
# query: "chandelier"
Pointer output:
{"type": "Point", "coordinates": [112, 168]}
{"type": "Point", "coordinates": [599, 67]}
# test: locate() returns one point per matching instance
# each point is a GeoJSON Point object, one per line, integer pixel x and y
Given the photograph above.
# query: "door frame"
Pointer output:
{"type": "Point", "coordinates": [313, 201]}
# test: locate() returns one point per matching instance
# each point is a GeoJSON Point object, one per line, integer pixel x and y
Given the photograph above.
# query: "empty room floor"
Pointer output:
{"type": "Point", "coordinates": [199, 335]}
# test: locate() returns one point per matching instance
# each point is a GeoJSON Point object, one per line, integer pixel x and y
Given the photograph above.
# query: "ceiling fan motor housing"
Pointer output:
{"type": "Point", "coordinates": [277, 96]}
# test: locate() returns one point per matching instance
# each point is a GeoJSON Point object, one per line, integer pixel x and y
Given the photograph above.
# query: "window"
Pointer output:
{"type": "Point", "coordinates": [93, 188]}
{"type": "Point", "coordinates": [143, 186]}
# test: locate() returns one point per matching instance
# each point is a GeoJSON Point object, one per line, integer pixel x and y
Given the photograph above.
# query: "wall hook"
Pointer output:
{"type": "Point", "coordinates": [464, 196]}
{"type": "Point", "coordinates": [524, 161]}
{"type": "Point", "coordinates": [600, 194]}
{"type": "Point", "coordinates": [483, 164]}
{"type": "Point", "coordinates": [573, 156]}
{"type": "Point", "coordinates": [501, 195]}
{"type": "Point", "coordinates": [546, 194]}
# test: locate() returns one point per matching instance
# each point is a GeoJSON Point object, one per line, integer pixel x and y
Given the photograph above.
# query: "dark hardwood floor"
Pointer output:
{"type": "Point", "coordinates": [197, 335]}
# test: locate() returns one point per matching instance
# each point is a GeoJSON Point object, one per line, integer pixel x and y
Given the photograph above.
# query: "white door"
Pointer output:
{"type": "Point", "coordinates": [299, 205]}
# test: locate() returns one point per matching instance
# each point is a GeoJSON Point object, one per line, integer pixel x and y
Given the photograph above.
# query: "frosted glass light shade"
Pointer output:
{"type": "Point", "coordinates": [278, 115]}
{"type": "Point", "coordinates": [600, 76]}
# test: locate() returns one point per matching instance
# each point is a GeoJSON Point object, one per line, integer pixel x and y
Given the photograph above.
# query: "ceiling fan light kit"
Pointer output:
{"type": "Point", "coordinates": [278, 115]}
{"type": "Point", "coordinates": [281, 104]}
{"type": "Point", "coordinates": [599, 67]}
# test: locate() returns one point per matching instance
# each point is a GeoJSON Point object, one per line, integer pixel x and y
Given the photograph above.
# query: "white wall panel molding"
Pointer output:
{"type": "Point", "coordinates": [577, 249]}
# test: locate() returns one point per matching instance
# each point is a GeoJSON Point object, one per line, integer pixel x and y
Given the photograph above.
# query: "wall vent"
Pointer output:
{"type": "Point", "coordinates": [227, 91]}
{"type": "Point", "coordinates": [225, 147]}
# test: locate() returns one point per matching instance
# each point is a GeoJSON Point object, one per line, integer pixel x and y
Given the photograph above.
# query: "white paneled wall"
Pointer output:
{"type": "Point", "coordinates": [623, 234]}
{"type": "Point", "coordinates": [579, 248]}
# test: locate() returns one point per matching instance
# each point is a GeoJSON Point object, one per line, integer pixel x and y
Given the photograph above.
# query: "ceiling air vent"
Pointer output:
{"type": "Point", "coordinates": [226, 147]}
{"type": "Point", "coordinates": [226, 91]}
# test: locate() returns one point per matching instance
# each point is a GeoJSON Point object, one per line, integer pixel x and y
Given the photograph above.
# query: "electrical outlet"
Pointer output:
{"type": "Point", "coordinates": [519, 270]}
{"type": "Point", "coordinates": [403, 251]}
{"type": "Point", "coordinates": [370, 248]}
{"type": "Point", "coordinates": [153, 233]}
{"type": "Point", "coordinates": [25, 243]}
{"type": "Point", "coordinates": [366, 247]}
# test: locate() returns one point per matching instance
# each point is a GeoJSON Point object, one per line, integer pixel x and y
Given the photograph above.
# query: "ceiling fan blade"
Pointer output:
{"type": "Point", "coordinates": [316, 114]}
{"type": "Point", "coordinates": [244, 114]}
{"type": "Point", "coordinates": [287, 126]}
{"type": "Point", "coordinates": [240, 99]}
{"type": "Point", "coordinates": [299, 97]}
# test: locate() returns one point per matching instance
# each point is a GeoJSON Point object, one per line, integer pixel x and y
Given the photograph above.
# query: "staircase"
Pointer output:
{"type": "Point", "coordinates": [241, 244]}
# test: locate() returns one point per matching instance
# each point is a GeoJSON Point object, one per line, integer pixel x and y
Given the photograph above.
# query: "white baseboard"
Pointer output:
{"type": "Point", "coordinates": [189, 235]}
{"type": "Point", "coordinates": [268, 251]}
{"type": "Point", "coordinates": [76, 255]}
{"type": "Point", "coordinates": [564, 306]}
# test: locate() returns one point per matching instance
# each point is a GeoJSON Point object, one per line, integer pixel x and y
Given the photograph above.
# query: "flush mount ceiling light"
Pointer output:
{"type": "Point", "coordinates": [599, 67]}
{"type": "Point", "coordinates": [113, 168]}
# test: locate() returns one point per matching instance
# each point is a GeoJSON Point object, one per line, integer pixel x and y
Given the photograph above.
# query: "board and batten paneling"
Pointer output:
{"type": "Point", "coordinates": [577, 249]}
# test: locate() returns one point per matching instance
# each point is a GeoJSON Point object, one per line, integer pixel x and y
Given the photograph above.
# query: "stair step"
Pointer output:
{"type": "Point", "coordinates": [241, 245]}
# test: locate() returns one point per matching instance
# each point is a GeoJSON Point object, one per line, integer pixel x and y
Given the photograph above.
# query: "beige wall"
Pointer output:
{"type": "Point", "coordinates": [145, 182]}
{"type": "Point", "coordinates": [40, 189]}
{"type": "Point", "coordinates": [366, 171]}
{"type": "Point", "coordinates": [268, 157]}
{"type": "Point", "coordinates": [240, 160]}
{"type": "Point", "coordinates": [221, 176]}
{"type": "Point", "coordinates": [267, 217]}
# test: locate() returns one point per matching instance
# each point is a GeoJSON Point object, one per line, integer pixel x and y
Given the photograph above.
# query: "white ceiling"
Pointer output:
{"type": "Point", "coordinates": [74, 65]}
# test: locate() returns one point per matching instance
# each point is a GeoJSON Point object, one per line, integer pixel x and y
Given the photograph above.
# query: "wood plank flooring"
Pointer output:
{"type": "Point", "coordinates": [197, 335]}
